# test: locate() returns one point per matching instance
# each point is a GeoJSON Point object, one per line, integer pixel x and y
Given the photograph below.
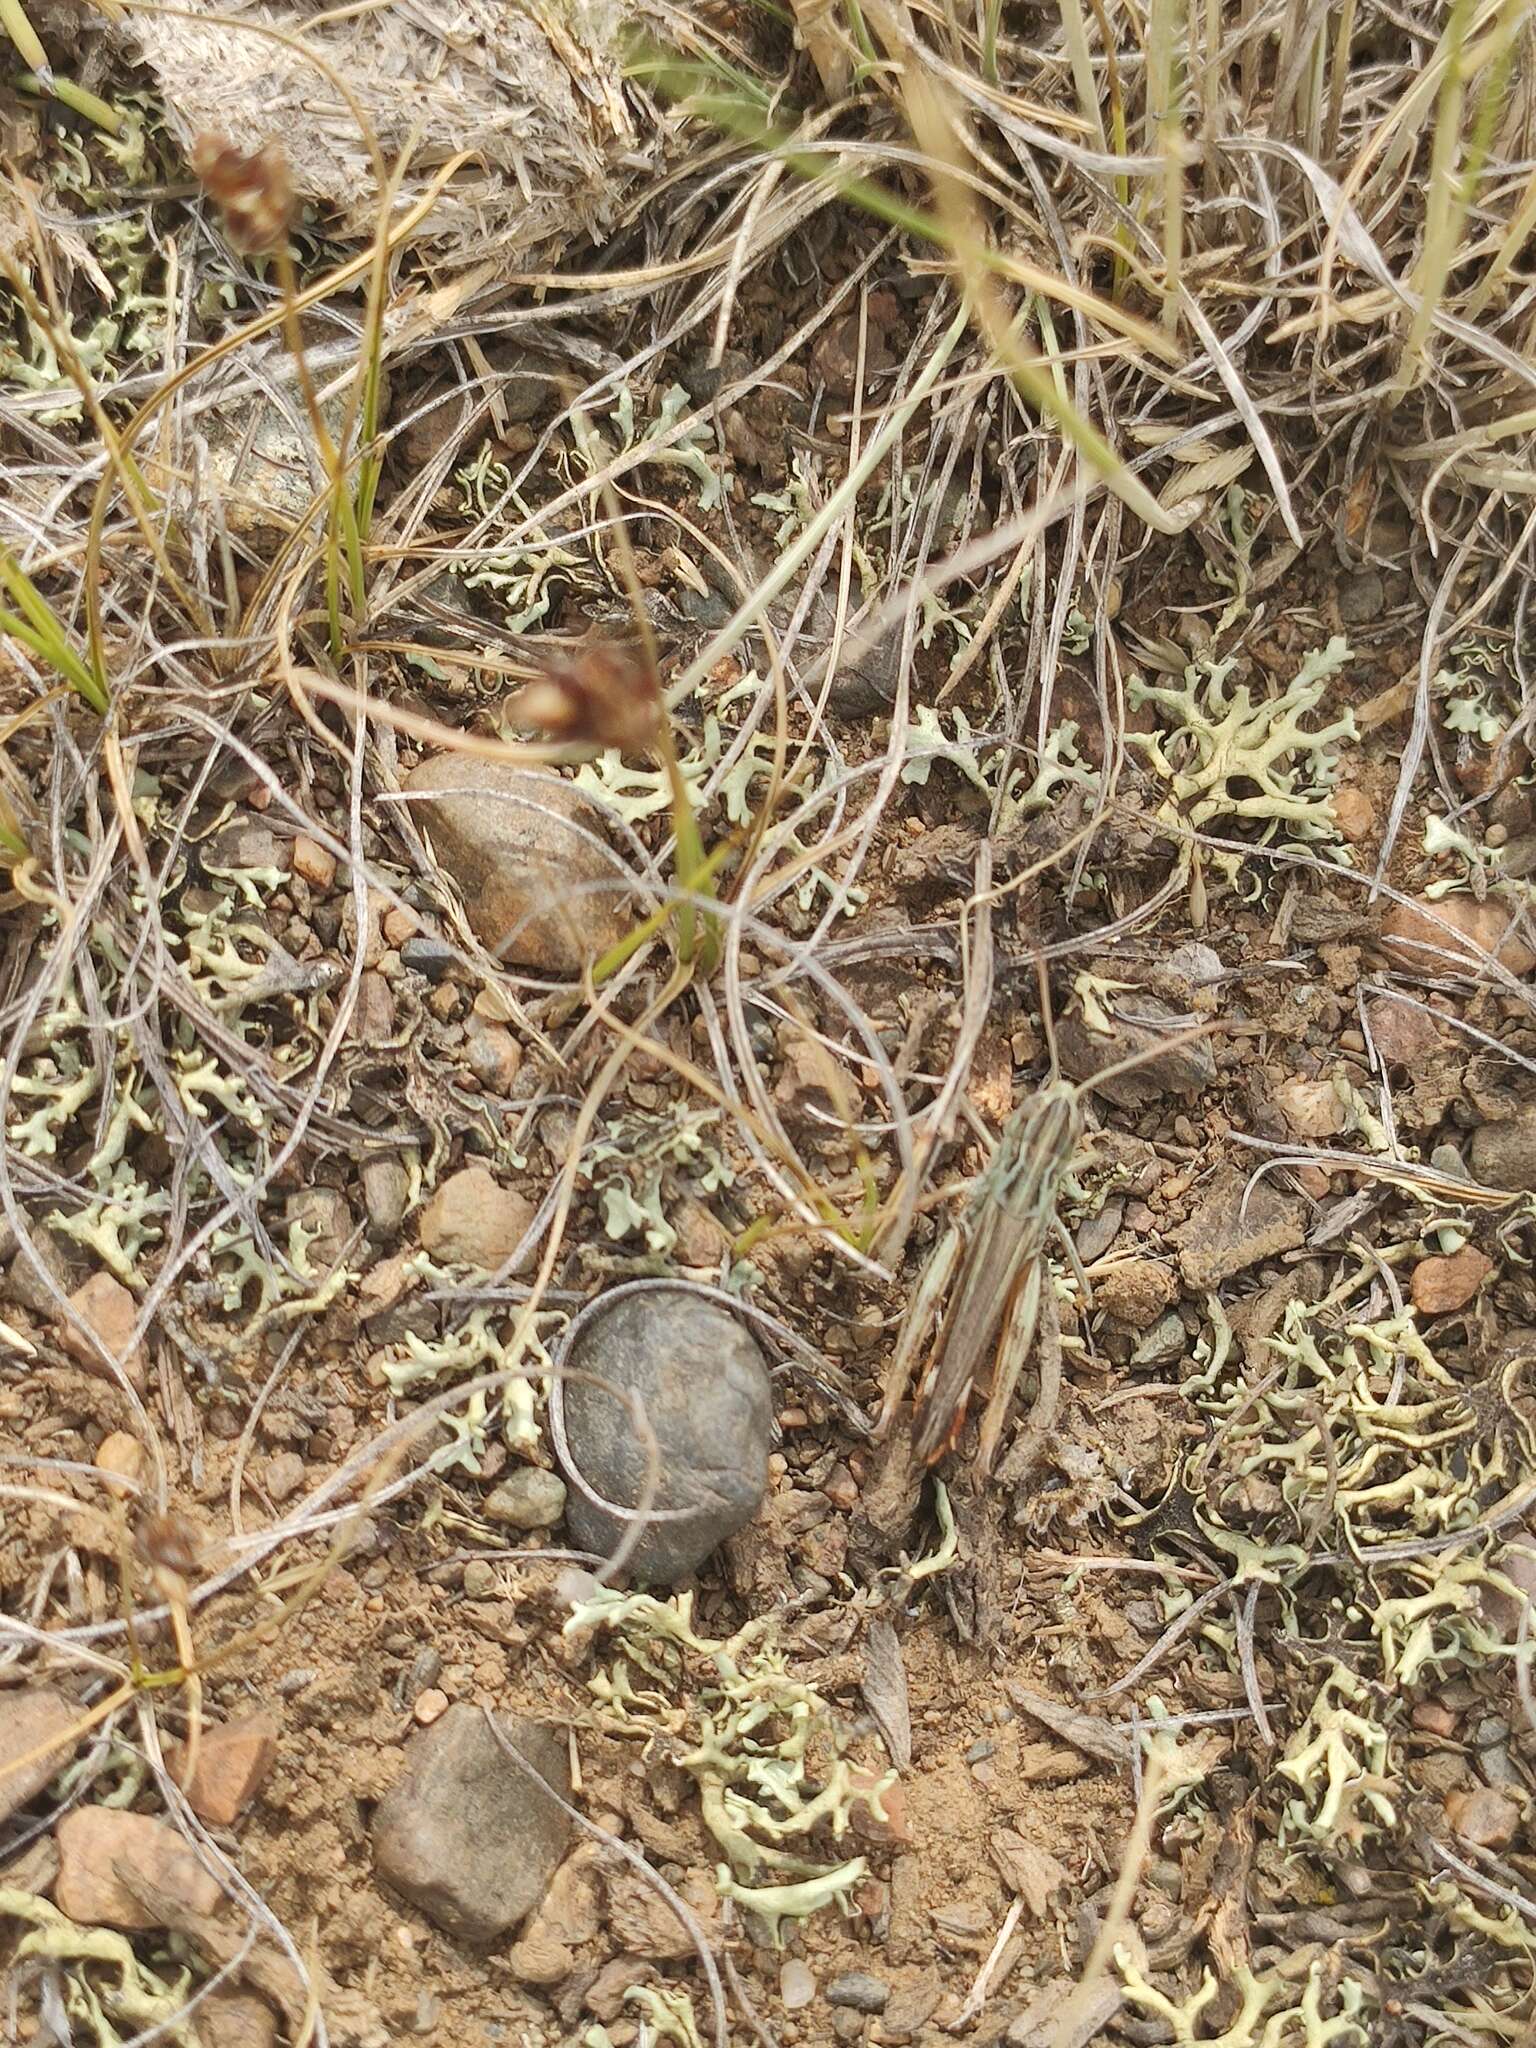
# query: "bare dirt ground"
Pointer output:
{"type": "Point", "coordinates": [1207, 1716]}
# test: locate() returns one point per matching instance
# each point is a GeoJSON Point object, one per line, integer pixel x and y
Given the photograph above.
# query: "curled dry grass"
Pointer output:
{"type": "Point", "coordinates": [1158, 256]}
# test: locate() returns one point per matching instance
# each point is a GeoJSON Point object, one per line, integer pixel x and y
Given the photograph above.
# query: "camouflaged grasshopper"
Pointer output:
{"type": "Point", "coordinates": [995, 1258]}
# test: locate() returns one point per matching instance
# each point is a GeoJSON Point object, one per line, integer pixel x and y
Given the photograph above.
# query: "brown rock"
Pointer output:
{"type": "Point", "coordinates": [494, 1056]}
{"type": "Point", "coordinates": [1312, 1109]}
{"type": "Point", "coordinates": [702, 1240]}
{"type": "Point", "coordinates": [95, 1840]}
{"type": "Point", "coordinates": [316, 863]}
{"type": "Point", "coordinates": [373, 1020]}
{"type": "Point", "coordinates": [1483, 1817]}
{"type": "Point", "coordinates": [642, 1920]}
{"type": "Point", "coordinates": [233, 1757]}
{"type": "Point", "coordinates": [835, 355]}
{"type": "Point", "coordinates": [1434, 1717]}
{"type": "Point", "coordinates": [1503, 1155]}
{"type": "Point", "coordinates": [1401, 1032]}
{"type": "Point", "coordinates": [282, 1476]}
{"type": "Point", "coordinates": [235, 2019]}
{"type": "Point", "coordinates": [1221, 1239]}
{"type": "Point", "coordinates": [1354, 814]}
{"type": "Point", "coordinates": [399, 924]}
{"type": "Point", "coordinates": [537, 1958]}
{"type": "Point", "coordinates": [326, 1224]}
{"type": "Point", "coordinates": [110, 1310]}
{"type": "Point", "coordinates": [474, 1221]}
{"type": "Point", "coordinates": [540, 885]}
{"type": "Point", "coordinates": [1441, 1284]}
{"type": "Point", "coordinates": [122, 1457]}
{"type": "Point", "coordinates": [1414, 934]}
{"type": "Point", "coordinates": [35, 1743]}
{"type": "Point", "coordinates": [1135, 1291]}
{"type": "Point", "coordinates": [604, 1996]}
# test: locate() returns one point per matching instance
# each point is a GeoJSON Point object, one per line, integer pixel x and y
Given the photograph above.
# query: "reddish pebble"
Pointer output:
{"type": "Point", "coordinates": [1441, 1284]}
{"type": "Point", "coordinates": [1483, 1817]}
{"type": "Point", "coordinates": [400, 924]}
{"type": "Point", "coordinates": [233, 1757]}
{"type": "Point", "coordinates": [316, 863]}
{"type": "Point", "coordinates": [1433, 1717]}
{"type": "Point", "coordinates": [1354, 814]}
{"type": "Point", "coordinates": [106, 1307]}
{"type": "Point", "coordinates": [430, 1706]}
{"type": "Point", "coordinates": [793, 1418]}
{"type": "Point", "coordinates": [840, 1489]}
{"type": "Point", "coordinates": [1414, 934]}
{"type": "Point", "coordinates": [95, 1841]}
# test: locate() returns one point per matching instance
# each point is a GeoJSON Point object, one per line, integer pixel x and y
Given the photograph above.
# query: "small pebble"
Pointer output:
{"type": "Point", "coordinates": [400, 924]}
{"type": "Point", "coordinates": [430, 1706]}
{"type": "Point", "coordinates": [1483, 1817]}
{"type": "Point", "coordinates": [1434, 1717]}
{"type": "Point", "coordinates": [980, 1751]}
{"type": "Point", "coordinates": [284, 1475]}
{"type": "Point", "coordinates": [316, 863]}
{"type": "Point", "coordinates": [427, 956]}
{"type": "Point", "coordinates": [121, 1456]}
{"type": "Point", "coordinates": [1440, 1285]}
{"type": "Point", "coordinates": [480, 1580]}
{"type": "Point", "coordinates": [860, 1991]}
{"type": "Point", "coordinates": [797, 1987]}
{"type": "Point", "coordinates": [530, 1498]}
{"type": "Point", "coordinates": [1354, 813]}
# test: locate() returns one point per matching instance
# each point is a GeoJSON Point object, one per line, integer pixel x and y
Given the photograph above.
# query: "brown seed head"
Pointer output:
{"type": "Point", "coordinates": [254, 193]}
{"type": "Point", "coordinates": [170, 1543]}
{"type": "Point", "coordinates": [603, 695]}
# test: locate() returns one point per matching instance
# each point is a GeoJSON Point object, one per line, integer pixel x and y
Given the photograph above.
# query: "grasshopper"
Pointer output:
{"type": "Point", "coordinates": [995, 1257]}
{"type": "Point", "coordinates": [993, 1260]}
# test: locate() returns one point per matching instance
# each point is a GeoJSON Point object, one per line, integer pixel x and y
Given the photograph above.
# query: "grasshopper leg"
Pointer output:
{"type": "Point", "coordinates": [918, 1324]}
{"type": "Point", "coordinates": [1018, 1334]}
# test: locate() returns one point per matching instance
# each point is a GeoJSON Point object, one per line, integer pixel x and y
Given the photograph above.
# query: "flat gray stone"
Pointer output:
{"type": "Point", "coordinates": [707, 1396]}
{"type": "Point", "coordinates": [465, 1835]}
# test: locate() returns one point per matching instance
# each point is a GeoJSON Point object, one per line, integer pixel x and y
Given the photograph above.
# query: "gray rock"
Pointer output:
{"type": "Point", "coordinates": [1504, 1155]}
{"type": "Point", "coordinates": [64, 1260]}
{"type": "Point", "coordinates": [247, 843]}
{"type": "Point", "coordinates": [465, 1835]}
{"type": "Point", "coordinates": [540, 886]}
{"type": "Point", "coordinates": [1362, 597]}
{"type": "Point", "coordinates": [430, 957]}
{"type": "Point", "coordinates": [1142, 1024]}
{"type": "Point", "coordinates": [386, 1190]}
{"type": "Point", "coordinates": [859, 1990]}
{"type": "Point", "coordinates": [707, 1396]}
{"type": "Point", "coordinates": [530, 1498]}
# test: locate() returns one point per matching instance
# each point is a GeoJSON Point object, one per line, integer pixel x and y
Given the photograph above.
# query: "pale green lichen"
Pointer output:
{"type": "Point", "coordinates": [1341, 1762]}
{"type": "Point", "coordinates": [991, 770]}
{"type": "Point", "coordinates": [1227, 760]}
{"type": "Point", "coordinates": [480, 1343]}
{"type": "Point", "coordinates": [105, 1986]}
{"type": "Point", "coordinates": [1296, 2022]}
{"type": "Point", "coordinates": [641, 1162]}
{"type": "Point", "coordinates": [759, 1744]}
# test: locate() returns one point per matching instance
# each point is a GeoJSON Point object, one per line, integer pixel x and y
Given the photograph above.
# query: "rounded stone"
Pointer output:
{"type": "Point", "coordinates": [529, 1498]}
{"type": "Point", "coordinates": [708, 1397]}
